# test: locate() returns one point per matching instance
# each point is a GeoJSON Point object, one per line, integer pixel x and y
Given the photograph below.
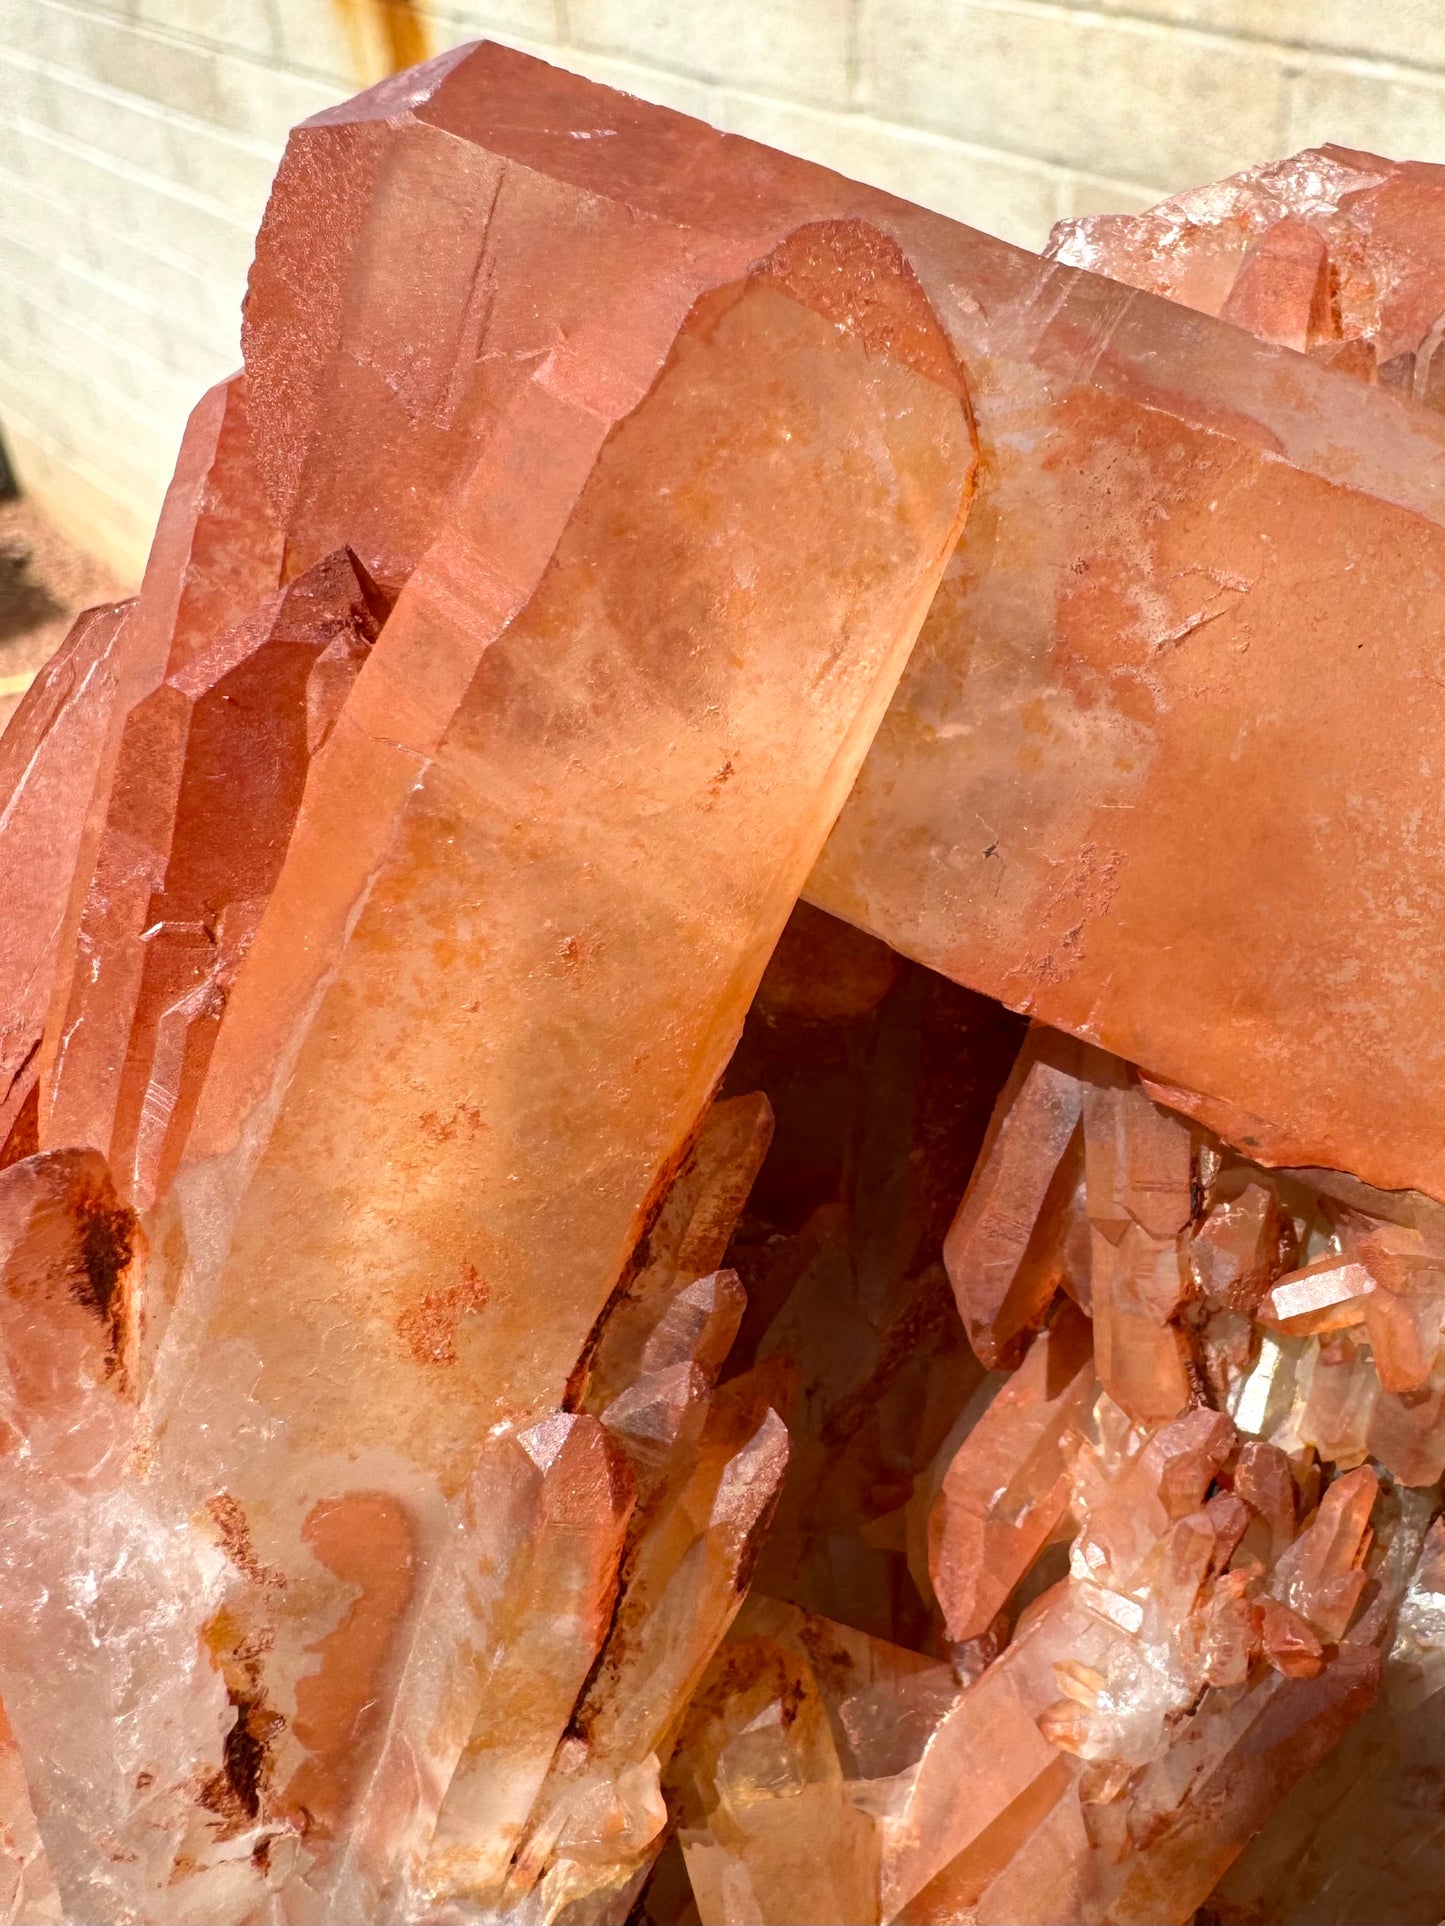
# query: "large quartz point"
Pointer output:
{"type": "Point", "coordinates": [347, 1328]}
{"type": "Point", "coordinates": [211, 767]}
{"type": "Point", "coordinates": [546, 1379]}
{"type": "Point", "coordinates": [1183, 542]}
{"type": "Point", "coordinates": [47, 768]}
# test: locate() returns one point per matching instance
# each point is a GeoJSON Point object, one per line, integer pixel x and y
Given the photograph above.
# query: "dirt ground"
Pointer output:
{"type": "Point", "coordinates": [44, 583]}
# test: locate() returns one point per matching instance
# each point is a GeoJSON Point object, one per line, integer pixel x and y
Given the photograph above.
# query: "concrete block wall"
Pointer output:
{"type": "Point", "coordinates": [138, 139]}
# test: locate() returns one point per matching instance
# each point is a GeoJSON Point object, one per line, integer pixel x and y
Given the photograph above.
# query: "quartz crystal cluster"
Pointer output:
{"type": "Point", "coordinates": [721, 1084]}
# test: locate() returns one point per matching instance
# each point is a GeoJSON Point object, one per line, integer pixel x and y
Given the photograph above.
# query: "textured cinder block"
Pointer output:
{"type": "Point", "coordinates": [105, 494]}
{"type": "Point", "coordinates": [124, 431]}
{"type": "Point", "coordinates": [796, 49]}
{"type": "Point", "coordinates": [194, 310]}
{"type": "Point", "coordinates": [1106, 96]}
{"type": "Point", "coordinates": [98, 304]}
{"type": "Point", "coordinates": [108, 514]}
{"type": "Point", "coordinates": [193, 77]}
{"type": "Point", "coordinates": [230, 169]}
{"type": "Point", "coordinates": [246, 26]}
{"type": "Point", "coordinates": [250, 26]}
{"type": "Point", "coordinates": [102, 338]}
{"type": "Point", "coordinates": [1393, 111]}
{"type": "Point", "coordinates": [541, 23]}
{"type": "Point", "coordinates": [31, 217]}
{"type": "Point", "coordinates": [321, 42]}
{"type": "Point", "coordinates": [189, 226]}
{"type": "Point", "coordinates": [1406, 30]}
{"type": "Point", "coordinates": [1007, 194]}
{"type": "Point", "coordinates": [1081, 193]}
{"type": "Point", "coordinates": [353, 45]}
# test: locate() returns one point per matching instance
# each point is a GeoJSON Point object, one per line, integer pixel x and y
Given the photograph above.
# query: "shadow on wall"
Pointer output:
{"type": "Point", "coordinates": [25, 601]}
{"type": "Point", "coordinates": [383, 36]}
{"type": "Point", "coordinates": [44, 582]}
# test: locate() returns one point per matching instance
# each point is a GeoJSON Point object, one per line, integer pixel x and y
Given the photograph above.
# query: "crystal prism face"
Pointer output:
{"type": "Point", "coordinates": [568, 1351]}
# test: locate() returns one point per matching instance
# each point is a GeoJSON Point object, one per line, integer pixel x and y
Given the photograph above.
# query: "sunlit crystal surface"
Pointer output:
{"type": "Point", "coordinates": [544, 1377]}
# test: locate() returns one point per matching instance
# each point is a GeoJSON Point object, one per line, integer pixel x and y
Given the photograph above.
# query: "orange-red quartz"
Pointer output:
{"type": "Point", "coordinates": [544, 1375]}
